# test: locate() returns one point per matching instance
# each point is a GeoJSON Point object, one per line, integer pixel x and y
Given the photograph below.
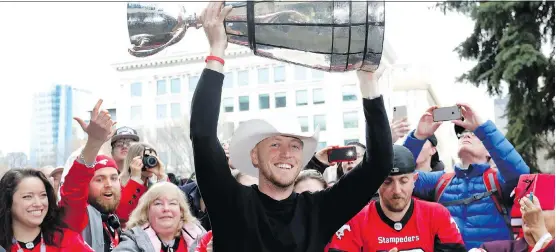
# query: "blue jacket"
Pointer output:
{"type": "Point", "coordinates": [479, 221]}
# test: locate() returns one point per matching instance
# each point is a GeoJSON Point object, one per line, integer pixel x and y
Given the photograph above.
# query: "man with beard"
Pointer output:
{"type": "Point", "coordinates": [270, 216]}
{"type": "Point", "coordinates": [91, 191]}
{"type": "Point", "coordinates": [398, 222]}
{"type": "Point", "coordinates": [120, 142]}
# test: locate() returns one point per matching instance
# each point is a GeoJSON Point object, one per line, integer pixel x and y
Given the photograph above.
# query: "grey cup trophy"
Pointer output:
{"type": "Point", "coordinates": [334, 36]}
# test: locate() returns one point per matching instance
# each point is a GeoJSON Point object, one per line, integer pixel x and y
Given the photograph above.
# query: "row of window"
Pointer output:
{"type": "Point", "coordinates": [231, 79]}
{"type": "Point", "coordinates": [349, 93]}
{"type": "Point", "coordinates": [136, 112]}
{"type": "Point", "coordinates": [350, 119]}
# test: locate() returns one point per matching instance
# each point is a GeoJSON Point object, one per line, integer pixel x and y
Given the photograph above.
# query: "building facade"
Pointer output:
{"type": "Point", "coordinates": [156, 95]}
{"type": "Point", "coordinates": [53, 133]}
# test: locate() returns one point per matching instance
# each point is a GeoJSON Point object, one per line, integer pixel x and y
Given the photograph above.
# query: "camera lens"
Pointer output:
{"type": "Point", "coordinates": [150, 162]}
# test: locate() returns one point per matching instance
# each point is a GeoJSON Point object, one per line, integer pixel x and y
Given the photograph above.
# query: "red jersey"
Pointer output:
{"type": "Point", "coordinates": [427, 226]}
{"type": "Point", "coordinates": [71, 242]}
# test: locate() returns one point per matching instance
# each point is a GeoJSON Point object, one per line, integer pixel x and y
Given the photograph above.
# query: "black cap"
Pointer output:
{"type": "Point", "coordinates": [403, 161]}
{"type": "Point", "coordinates": [125, 132]}
{"type": "Point", "coordinates": [433, 140]}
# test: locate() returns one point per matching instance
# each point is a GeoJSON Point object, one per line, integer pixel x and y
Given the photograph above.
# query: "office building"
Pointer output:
{"type": "Point", "coordinates": [53, 133]}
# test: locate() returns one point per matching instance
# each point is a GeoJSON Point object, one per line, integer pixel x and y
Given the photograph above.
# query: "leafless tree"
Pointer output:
{"type": "Point", "coordinates": [174, 146]}
{"type": "Point", "coordinates": [16, 160]}
{"type": "Point", "coordinates": [174, 141]}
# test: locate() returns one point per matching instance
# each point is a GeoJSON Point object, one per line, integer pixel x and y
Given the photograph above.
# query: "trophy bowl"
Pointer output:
{"type": "Point", "coordinates": [333, 36]}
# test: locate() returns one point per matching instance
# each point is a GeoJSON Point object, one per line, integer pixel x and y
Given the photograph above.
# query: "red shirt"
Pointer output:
{"type": "Point", "coordinates": [71, 242]}
{"type": "Point", "coordinates": [203, 244]}
{"type": "Point", "coordinates": [426, 226]}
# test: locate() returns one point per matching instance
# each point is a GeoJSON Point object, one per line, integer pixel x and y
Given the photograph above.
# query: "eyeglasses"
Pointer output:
{"type": "Point", "coordinates": [464, 133]}
{"type": "Point", "coordinates": [123, 143]}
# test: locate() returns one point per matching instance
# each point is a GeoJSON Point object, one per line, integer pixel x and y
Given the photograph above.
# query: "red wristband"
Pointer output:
{"type": "Point", "coordinates": [211, 57]}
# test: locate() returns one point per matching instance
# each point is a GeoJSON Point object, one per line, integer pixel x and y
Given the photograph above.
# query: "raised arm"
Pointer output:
{"type": "Point", "coordinates": [355, 189]}
{"type": "Point", "coordinates": [75, 189]}
{"type": "Point", "coordinates": [211, 166]}
{"type": "Point", "coordinates": [508, 161]}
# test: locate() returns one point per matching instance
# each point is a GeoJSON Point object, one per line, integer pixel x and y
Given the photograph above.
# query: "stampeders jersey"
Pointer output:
{"type": "Point", "coordinates": [427, 226]}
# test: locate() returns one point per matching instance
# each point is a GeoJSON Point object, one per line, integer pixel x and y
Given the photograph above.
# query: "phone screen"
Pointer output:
{"type": "Point", "coordinates": [342, 154]}
{"type": "Point", "coordinates": [446, 114]}
{"type": "Point", "coordinates": [399, 112]}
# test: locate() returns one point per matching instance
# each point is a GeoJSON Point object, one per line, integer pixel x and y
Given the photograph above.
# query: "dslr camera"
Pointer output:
{"type": "Point", "coordinates": [149, 159]}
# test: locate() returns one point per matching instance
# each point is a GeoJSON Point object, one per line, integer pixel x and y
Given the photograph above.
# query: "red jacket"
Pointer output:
{"type": "Point", "coordinates": [203, 243]}
{"type": "Point", "coordinates": [75, 192]}
{"type": "Point", "coordinates": [427, 226]}
{"type": "Point", "coordinates": [71, 242]}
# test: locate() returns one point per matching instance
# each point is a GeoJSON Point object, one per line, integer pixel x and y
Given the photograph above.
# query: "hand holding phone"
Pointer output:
{"type": "Point", "coordinates": [399, 112]}
{"type": "Point", "coordinates": [446, 114]}
{"type": "Point", "coordinates": [342, 154]}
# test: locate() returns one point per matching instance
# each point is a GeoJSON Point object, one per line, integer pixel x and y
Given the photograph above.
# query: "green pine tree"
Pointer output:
{"type": "Point", "coordinates": [506, 43]}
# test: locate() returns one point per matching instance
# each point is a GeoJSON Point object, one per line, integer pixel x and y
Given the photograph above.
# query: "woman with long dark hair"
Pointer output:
{"type": "Point", "coordinates": [30, 220]}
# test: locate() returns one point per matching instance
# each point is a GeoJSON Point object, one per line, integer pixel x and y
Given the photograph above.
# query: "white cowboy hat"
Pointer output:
{"type": "Point", "coordinates": [251, 132]}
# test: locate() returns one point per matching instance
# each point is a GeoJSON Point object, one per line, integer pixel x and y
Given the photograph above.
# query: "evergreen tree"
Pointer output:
{"type": "Point", "coordinates": [506, 43]}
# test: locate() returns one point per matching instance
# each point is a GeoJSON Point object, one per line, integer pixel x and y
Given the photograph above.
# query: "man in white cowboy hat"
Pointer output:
{"type": "Point", "coordinates": [270, 216]}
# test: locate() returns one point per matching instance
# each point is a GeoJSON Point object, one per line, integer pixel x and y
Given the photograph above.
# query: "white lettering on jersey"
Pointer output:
{"type": "Point", "coordinates": [340, 232]}
{"type": "Point", "coordinates": [452, 221]}
{"type": "Point", "coordinates": [397, 240]}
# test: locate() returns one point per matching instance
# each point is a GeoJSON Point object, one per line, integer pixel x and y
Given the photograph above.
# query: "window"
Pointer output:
{"type": "Point", "coordinates": [160, 87]}
{"type": "Point", "coordinates": [304, 123]}
{"type": "Point", "coordinates": [280, 100]}
{"type": "Point", "coordinates": [349, 93]}
{"type": "Point", "coordinates": [135, 113]}
{"type": "Point", "coordinates": [318, 96]}
{"type": "Point", "coordinates": [264, 101]}
{"type": "Point", "coordinates": [279, 73]}
{"type": "Point", "coordinates": [301, 97]}
{"type": "Point", "coordinates": [112, 113]}
{"type": "Point", "coordinates": [228, 104]}
{"type": "Point", "coordinates": [136, 89]}
{"type": "Point", "coordinates": [244, 103]}
{"type": "Point", "coordinates": [321, 145]}
{"type": "Point", "coordinates": [347, 141]}
{"type": "Point", "coordinates": [175, 110]}
{"type": "Point", "coordinates": [319, 121]}
{"type": "Point", "coordinates": [175, 86]}
{"type": "Point", "coordinates": [243, 78]}
{"type": "Point", "coordinates": [228, 80]}
{"type": "Point", "coordinates": [262, 75]}
{"type": "Point", "coordinates": [193, 82]}
{"type": "Point", "coordinates": [300, 73]}
{"type": "Point", "coordinates": [317, 74]}
{"type": "Point", "coordinates": [351, 120]}
{"type": "Point", "coordinates": [161, 111]}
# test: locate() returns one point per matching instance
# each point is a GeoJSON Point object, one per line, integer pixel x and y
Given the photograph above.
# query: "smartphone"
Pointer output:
{"type": "Point", "coordinates": [399, 112]}
{"type": "Point", "coordinates": [342, 154]}
{"type": "Point", "coordinates": [446, 114]}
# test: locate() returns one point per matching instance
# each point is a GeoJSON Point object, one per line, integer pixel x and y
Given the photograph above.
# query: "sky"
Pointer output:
{"type": "Point", "coordinates": [75, 43]}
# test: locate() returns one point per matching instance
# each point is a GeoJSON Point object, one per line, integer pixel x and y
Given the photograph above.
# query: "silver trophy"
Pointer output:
{"type": "Point", "coordinates": [334, 36]}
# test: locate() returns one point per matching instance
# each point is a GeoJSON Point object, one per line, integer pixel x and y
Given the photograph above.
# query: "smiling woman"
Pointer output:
{"type": "Point", "coordinates": [30, 217]}
{"type": "Point", "coordinates": [163, 216]}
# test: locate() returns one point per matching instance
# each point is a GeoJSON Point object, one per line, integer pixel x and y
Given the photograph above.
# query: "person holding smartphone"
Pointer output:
{"type": "Point", "coordinates": [475, 193]}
